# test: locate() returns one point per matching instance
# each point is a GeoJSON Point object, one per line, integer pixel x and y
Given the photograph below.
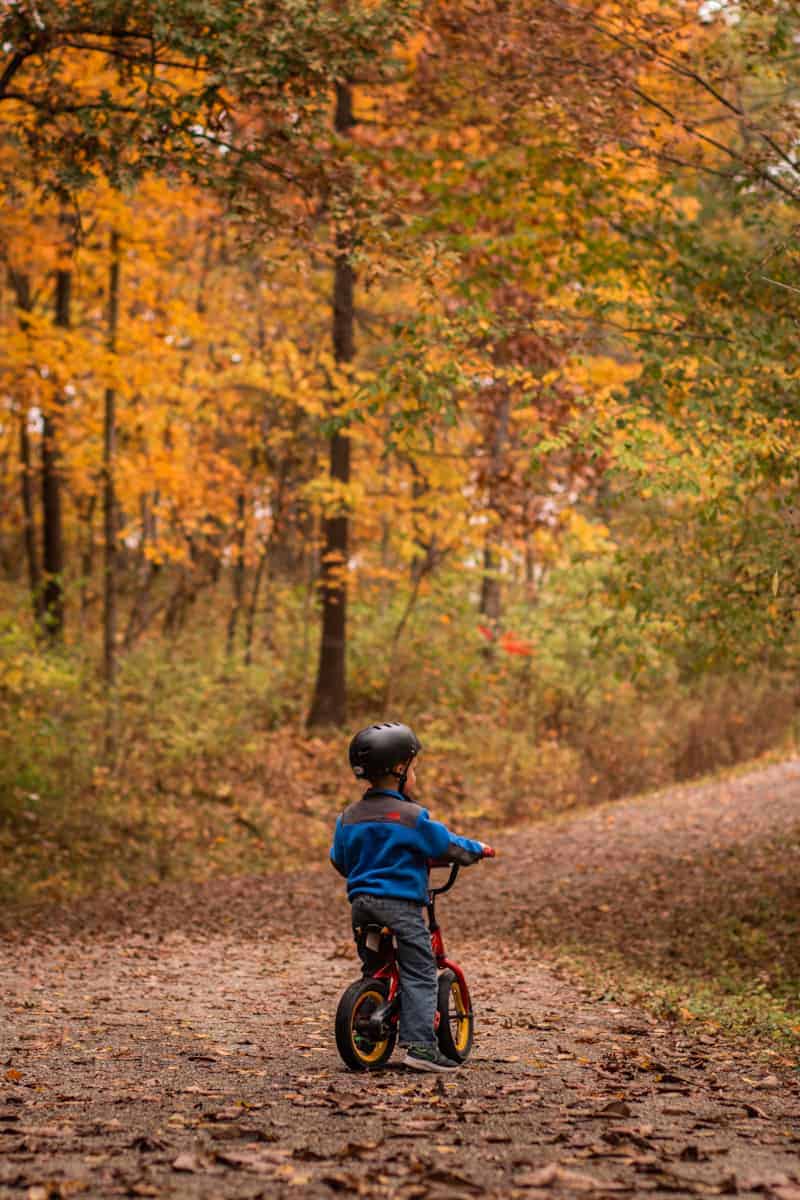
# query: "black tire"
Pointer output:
{"type": "Point", "coordinates": [456, 1019]}
{"type": "Point", "coordinates": [358, 1051]}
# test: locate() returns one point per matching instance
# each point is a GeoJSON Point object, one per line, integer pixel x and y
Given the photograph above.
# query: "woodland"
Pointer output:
{"type": "Point", "coordinates": [379, 359]}
{"type": "Point", "coordinates": [361, 359]}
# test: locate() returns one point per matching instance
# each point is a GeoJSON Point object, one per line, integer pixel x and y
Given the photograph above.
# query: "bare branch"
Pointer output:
{"type": "Point", "coordinates": [752, 168]}
{"type": "Point", "coordinates": [778, 283]}
{"type": "Point", "coordinates": [637, 45]}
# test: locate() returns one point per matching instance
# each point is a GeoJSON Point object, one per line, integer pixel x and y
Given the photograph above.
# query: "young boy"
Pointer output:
{"type": "Point", "coordinates": [382, 845]}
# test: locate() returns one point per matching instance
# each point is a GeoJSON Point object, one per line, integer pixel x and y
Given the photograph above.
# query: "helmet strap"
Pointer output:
{"type": "Point", "coordinates": [402, 776]}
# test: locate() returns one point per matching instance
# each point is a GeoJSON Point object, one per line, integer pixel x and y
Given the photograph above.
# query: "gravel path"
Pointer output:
{"type": "Point", "coordinates": [179, 1042]}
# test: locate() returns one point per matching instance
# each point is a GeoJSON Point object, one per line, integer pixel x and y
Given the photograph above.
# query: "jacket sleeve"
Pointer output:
{"type": "Point", "coordinates": [337, 856]}
{"type": "Point", "coordinates": [439, 842]}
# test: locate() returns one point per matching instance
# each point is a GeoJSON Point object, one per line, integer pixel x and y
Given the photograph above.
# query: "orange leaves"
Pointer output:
{"type": "Point", "coordinates": [597, 378]}
{"type": "Point", "coordinates": [171, 356]}
{"type": "Point", "coordinates": [508, 641]}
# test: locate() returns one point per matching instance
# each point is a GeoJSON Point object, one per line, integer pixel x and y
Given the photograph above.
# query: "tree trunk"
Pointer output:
{"type": "Point", "coordinates": [28, 519]}
{"type": "Point", "coordinates": [530, 570]}
{"type": "Point", "coordinates": [311, 549]}
{"type": "Point", "coordinates": [9, 471]}
{"type": "Point", "coordinates": [175, 605]}
{"type": "Point", "coordinates": [22, 288]}
{"type": "Point", "coordinates": [238, 575]}
{"type": "Point", "coordinates": [109, 499]}
{"type": "Point", "coordinates": [87, 560]}
{"type": "Point", "coordinates": [252, 608]}
{"type": "Point", "coordinates": [191, 579]}
{"type": "Point", "coordinates": [491, 606]}
{"type": "Point", "coordinates": [52, 526]}
{"type": "Point", "coordinates": [491, 599]}
{"type": "Point", "coordinates": [329, 703]}
{"type": "Point", "coordinates": [142, 610]}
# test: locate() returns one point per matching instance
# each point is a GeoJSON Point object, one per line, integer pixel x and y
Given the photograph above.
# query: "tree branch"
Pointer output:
{"type": "Point", "coordinates": [14, 64]}
{"type": "Point", "coordinates": [638, 46]}
{"type": "Point", "coordinates": [57, 110]}
{"type": "Point", "coordinates": [752, 168]}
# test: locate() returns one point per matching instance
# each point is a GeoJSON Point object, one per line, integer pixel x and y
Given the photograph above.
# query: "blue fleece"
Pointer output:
{"type": "Point", "coordinates": [383, 848]}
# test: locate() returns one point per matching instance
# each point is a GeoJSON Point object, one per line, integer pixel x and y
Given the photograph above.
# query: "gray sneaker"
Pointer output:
{"type": "Point", "coordinates": [428, 1058]}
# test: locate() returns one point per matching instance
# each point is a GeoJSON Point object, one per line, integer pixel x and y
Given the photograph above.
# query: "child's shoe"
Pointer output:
{"type": "Point", "coordinates": [428, 1058]}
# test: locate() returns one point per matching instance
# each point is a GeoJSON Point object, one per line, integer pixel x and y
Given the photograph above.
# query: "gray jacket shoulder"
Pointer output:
{"type": "Point", "coordinates": [382, 808]}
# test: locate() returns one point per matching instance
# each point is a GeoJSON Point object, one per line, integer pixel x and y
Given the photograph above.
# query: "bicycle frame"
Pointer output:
{"type": "Point", "coordinates": [444, 963]}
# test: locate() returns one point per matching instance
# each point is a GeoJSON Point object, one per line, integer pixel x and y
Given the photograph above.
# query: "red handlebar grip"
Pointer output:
{"type": "Point", "coordinates": [489, 852]}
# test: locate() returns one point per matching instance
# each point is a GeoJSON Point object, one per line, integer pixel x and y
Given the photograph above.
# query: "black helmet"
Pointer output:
{"type": "Point", "coordinates": [378, 748]}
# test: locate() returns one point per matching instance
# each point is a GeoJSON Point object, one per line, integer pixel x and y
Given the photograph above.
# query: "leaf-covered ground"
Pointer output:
{"type": "Point", "coordinates": [179, 1042]}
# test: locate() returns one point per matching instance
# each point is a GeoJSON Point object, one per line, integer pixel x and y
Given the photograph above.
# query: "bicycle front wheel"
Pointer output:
{"type": "Point", "coordinates": [456, 1021]}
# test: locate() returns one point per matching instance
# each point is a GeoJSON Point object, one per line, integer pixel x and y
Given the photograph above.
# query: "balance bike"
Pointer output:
{"type": "Point", "coordinates": [368, 1013]}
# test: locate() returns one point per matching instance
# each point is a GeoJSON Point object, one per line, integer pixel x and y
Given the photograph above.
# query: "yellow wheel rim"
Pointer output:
{"type": "Point", "coordinates": [378, 1048]}
{"type": "Point", "coordinates": [463, 1024]}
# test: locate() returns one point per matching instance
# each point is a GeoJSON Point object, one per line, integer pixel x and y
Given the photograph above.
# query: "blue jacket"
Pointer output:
{"type": "Point", "coordinates": [383, 842]}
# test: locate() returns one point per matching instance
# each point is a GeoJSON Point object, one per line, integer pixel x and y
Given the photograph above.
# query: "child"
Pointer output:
{"type": "Point", "coordinates": [382, 845]}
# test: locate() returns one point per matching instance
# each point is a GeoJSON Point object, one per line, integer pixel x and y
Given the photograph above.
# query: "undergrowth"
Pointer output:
{"type": "Point", "coordinates": [199, 765]}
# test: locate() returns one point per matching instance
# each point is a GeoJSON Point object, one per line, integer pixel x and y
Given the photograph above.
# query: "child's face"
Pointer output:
{"type": "Point", "coordinates": [411, 778]}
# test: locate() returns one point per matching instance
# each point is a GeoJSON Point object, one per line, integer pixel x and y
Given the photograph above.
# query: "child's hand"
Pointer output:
{"type": "Point", "coordinates": [488, 851]}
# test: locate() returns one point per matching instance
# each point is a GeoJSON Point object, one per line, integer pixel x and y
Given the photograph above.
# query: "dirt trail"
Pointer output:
{"type": "Point", "coordinates": [179, 1043]}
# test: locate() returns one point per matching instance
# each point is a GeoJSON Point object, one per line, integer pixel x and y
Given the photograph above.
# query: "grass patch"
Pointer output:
{"type": "Point", "coordinates": [737, 1006]}
{"type": "Point", "coordinates": [712, 940]}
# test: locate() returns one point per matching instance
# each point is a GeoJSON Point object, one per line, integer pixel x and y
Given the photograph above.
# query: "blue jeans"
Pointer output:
{"type": "Point", "coordinates": [418, 974]}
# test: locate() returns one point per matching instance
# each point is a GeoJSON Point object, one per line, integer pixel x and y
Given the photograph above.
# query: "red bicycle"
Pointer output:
{"type": "Point", "coordinates": [368, 1013]}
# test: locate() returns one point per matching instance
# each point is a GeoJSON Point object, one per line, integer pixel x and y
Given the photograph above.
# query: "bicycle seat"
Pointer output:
{"type": "Point", "coordinates": [375, 943]}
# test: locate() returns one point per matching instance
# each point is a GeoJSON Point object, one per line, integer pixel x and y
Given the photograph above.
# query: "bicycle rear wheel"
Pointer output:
{"type": "Point", "coordinates": [356, 1041]}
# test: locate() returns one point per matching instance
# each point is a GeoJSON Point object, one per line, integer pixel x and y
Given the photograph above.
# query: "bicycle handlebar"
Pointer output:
{"type": "Point", "coordinates": [453, 876]}
{"type": "Point", "coordinates": [488, 852]}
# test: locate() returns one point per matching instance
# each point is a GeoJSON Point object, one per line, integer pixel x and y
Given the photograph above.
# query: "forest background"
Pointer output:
{"type": "Point", "coordinates": [368, 360]}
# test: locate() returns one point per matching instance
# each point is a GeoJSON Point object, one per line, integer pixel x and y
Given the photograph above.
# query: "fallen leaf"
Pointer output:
{"type": "Point", "coordinates": [308, 1154]}
{"type": "Point", "coordinates": [187, 1162]}
{"type": "Point", "coordinates": [615, 1108]}
{"type": "Point", "coordinates": [452, 1179]}
{"type": "Point", "coordinates": [356, 1149]}
{"type": "Point", "coordinates": [147, 1144]}
{"type": "Point", "coordinates": [339, 1182]}
{"type": "Point", "coordinates": [554, 1176]}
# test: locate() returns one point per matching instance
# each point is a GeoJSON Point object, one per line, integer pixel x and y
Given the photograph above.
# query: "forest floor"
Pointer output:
{"type": "Point", "coordinates": [178, 1042]}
